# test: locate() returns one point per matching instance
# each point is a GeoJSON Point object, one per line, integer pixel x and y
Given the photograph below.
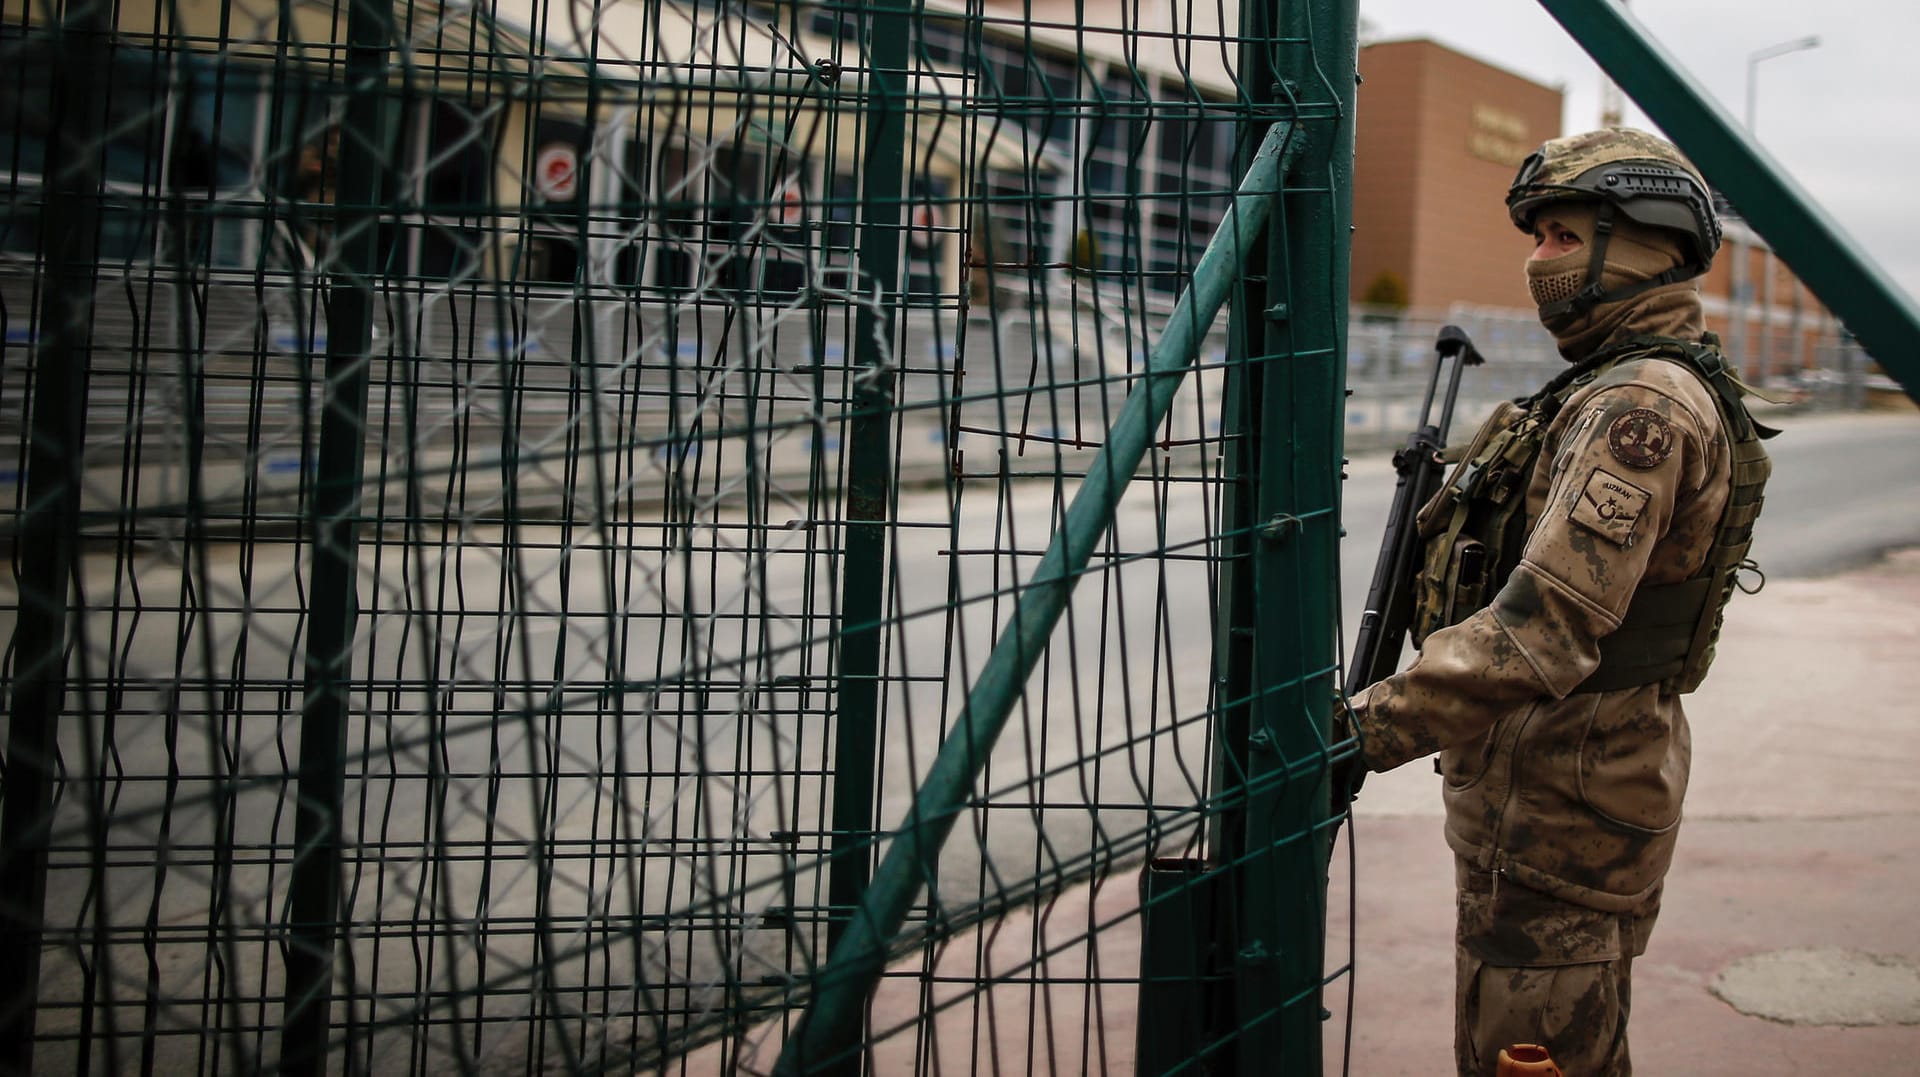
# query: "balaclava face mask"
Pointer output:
{"type": "Point", "coordinates": [1634, 253]}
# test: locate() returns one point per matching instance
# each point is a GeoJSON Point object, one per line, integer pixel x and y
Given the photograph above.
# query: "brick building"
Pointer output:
{"type": "Point", "coordinates": [1438, 138]}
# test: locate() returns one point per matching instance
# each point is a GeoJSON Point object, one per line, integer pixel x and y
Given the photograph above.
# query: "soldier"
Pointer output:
{"type": "Point", "coordinates": [1576, 564]}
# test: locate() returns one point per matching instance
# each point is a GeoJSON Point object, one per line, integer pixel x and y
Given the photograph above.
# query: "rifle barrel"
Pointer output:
{"type": "Point", "coordinates": [1388, 614]}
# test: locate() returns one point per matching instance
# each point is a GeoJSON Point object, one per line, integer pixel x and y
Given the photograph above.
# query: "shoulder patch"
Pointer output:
{"type": "Point", "coordinates": [1641, 439]}
{"type": "Point", "coordinates": [1610, 507]}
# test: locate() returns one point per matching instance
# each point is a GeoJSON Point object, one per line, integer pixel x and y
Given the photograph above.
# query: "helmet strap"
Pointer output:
{"type": "Point", "coordinates": [1591, 294]}
{"type": "Point", "coordinates": [1597, 260]}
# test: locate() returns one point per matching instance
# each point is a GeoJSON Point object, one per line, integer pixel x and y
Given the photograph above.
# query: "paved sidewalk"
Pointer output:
{"type": "Point", "coordinates": [1802, 830]}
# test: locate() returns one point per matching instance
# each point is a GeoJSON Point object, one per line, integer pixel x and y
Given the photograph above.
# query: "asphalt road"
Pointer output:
{"type": "Point", "coordinates": [1845, 488]}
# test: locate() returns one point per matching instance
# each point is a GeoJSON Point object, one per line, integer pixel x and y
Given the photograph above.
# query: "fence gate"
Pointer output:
{"type": "Point", "coordinates": [647, 535]}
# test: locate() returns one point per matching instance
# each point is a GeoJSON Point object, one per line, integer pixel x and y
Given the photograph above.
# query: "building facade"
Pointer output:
{"type": "Point", "coordinates": [1439, 136]}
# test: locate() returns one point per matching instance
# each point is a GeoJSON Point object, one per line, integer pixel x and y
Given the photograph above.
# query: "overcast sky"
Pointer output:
{"type": "Point", "coordinates": [1844, 118]}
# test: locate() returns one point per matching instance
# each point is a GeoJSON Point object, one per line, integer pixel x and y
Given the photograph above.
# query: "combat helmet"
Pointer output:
{"type": "Point", "coordinates": [1629, 173]}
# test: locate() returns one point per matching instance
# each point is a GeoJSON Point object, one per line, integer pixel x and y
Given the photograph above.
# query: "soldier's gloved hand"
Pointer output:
{"type": "Point", "coordinates": [1349, 767]}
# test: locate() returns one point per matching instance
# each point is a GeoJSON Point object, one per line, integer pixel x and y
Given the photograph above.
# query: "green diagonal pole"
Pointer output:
{"type": "Point", "coordinates": [830, 1027]}
{"type": "Point", "coordinates": [1883, 317]}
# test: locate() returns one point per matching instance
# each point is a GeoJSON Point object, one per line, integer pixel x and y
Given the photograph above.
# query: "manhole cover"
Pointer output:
{"type": "Point", "coordinates": [1823, 986]}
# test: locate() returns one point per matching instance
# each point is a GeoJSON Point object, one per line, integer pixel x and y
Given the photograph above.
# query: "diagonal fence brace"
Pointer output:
{"type": "Point", "coordinates": [1885, 318]}
{"type": "Point", "coordinates": [830, 1027]}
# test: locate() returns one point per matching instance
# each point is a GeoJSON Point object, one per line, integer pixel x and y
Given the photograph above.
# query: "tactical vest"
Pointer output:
{"type": "Point", "coordinates": [1475, 528]}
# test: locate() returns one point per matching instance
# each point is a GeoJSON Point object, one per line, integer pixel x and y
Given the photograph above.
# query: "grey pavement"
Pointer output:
{"type": "Point", "coordinates": [1802, 832]}
{"type": "Point", "coordinates": [1802, 829]}
{"type": "Point", "coordinates": [1793, 891]}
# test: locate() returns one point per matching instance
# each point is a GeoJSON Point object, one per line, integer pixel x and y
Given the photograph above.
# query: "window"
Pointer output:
{"type": "Point", "coordinates": [454, 191]}
{"type": "Point", "coordinates": [173, 124]}
{"type": "Point", "coordinates": [548, 259]}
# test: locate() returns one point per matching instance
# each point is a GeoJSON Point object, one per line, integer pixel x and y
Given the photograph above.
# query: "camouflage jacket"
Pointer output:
{"type": "Point", "coordinates": [1577, 795]}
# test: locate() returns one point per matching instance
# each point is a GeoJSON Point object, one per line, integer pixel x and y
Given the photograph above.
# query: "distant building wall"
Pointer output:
{"type": "Point", "coordinates": [1785, 327]}
{"type": "Point", "coordinates": [1438, 138]}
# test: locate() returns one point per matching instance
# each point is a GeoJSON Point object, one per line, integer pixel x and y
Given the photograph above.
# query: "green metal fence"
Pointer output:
{"type": "Point", "coordinates": [706, 537]}
{"type": "Point", "coordinates": [591, 535]}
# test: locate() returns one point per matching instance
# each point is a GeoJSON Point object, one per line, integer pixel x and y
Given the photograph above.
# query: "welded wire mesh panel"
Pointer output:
{"type": "Point", "coordinates": [506, 502]}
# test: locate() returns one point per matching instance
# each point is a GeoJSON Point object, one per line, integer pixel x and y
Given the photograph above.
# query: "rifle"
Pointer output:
{"type": "Point", "coordinates": [1389, 610]}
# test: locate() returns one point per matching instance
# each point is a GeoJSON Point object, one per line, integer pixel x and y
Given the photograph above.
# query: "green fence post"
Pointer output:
{"type": "Point", "coordinates": [1280, 594]}
{"type": "Point", "coordinates": [1875, 309]}
{"type": "Point", "coordinates": [1233, 662]}
{"type": "Point", "coordinates": [313, 927]}
{"type": "Point", "coordinates": [49, 527]}
{"type": "Point", "coordinates": [869, 482]}
{"type": "Point", "coordinates": [1181, 985]}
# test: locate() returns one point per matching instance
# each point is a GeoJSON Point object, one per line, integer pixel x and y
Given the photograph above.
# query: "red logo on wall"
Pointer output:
{"type": "Point", "coordinates": [924, 220]}
{"type": "Point", "coordinates": [556, 171]}
{"type": "Point", "coordinates": [789, 205]}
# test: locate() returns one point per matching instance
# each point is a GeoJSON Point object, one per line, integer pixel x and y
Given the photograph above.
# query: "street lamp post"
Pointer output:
{"type": "Point", "coordinates": [1741, 304]}
{"type": "Point", "coordinates": [1800, 44]}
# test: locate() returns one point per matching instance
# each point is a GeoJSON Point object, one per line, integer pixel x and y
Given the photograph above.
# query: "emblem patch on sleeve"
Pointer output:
{"type": "Point", "coordinates": [1610, 507]}
{"type": "Point", "coordinates": [1641, 439]}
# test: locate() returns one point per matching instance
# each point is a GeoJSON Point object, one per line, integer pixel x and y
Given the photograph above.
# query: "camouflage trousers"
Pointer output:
{"type": "Point", "coordinates": [1531, 968]}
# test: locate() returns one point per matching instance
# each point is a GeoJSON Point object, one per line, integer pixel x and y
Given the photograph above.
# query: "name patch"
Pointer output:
{"type": "Point", "coordinates": [1610, 507]}
{"type": "Point", "coordinates": [1641, 439]}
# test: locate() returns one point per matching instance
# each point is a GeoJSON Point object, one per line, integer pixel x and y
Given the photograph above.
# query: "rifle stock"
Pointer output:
{"type": "Point", "coordinates": [1388, 615]}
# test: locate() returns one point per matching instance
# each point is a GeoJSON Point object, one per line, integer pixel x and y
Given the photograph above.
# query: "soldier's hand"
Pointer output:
{"type": "Point", "coordinates": [1348, 767]}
